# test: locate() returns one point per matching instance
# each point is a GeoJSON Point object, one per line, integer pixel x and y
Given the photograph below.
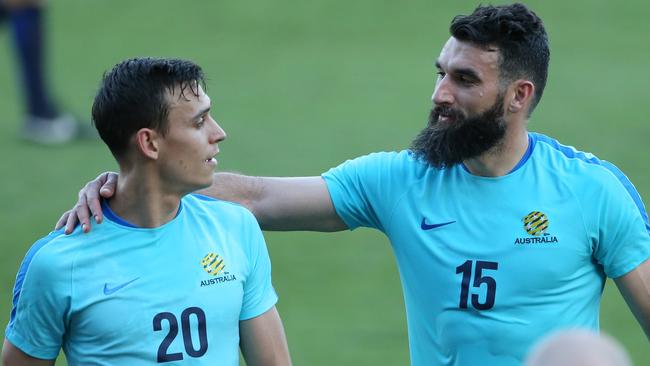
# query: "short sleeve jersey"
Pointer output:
{"type": "Point", "coordinates": [489, 265]}
{"type": "Point", "coordinates": [122, 295]}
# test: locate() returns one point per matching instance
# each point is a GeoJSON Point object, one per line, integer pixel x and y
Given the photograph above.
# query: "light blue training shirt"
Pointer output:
{"type": "Point", "coordinates": [490, 265]}
{"type": "Point", "coordinates": [122, 295]}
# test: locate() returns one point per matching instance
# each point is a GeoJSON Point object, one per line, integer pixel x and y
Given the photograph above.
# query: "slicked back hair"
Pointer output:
{"type": "Point", "coordinates": [134, 95]}
{"type": "Point", "coordinates": [520, 37]}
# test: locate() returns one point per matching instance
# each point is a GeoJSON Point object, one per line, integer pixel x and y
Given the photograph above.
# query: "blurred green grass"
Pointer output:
{"type": "Point", "coordinates": [300, 87]}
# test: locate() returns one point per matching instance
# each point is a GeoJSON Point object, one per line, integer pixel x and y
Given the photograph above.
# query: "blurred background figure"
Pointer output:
{"type": "Point", "coordinates": [578, 348]}
{"type": "Point", "coordinates": [43, 123]}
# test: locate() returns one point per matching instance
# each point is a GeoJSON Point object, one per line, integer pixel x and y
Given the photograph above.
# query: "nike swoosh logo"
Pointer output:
{"type": "Point", "coordinates": [111, 290]}
{"type": "Point", "coordinates": [426, 226]}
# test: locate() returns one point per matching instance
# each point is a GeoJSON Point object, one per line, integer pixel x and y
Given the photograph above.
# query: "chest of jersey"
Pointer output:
{"type": "Point", "coordinates": [494, 263]}
{"type": "Point", "coordinates": [165, 297]}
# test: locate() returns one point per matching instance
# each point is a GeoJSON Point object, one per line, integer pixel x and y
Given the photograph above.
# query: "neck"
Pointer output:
{"type": "Point", "coordinates": [141, 200]}
{"type": "Point", "coordinates": [501, 159]}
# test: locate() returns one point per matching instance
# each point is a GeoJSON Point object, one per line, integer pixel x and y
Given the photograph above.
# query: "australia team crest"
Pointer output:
{"type": "Point", "coordinates": [536, 225]}
{"type": "Point", "coordinates": [215, 265]}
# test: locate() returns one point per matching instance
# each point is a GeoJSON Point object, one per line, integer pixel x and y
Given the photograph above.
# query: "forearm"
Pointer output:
{"type": "Point", "coordinates": [263, 341]}
{"type": "Point", "coordinates": [635, 288]}
{"type": "Point", "coordinates": [287, 203]}
{"type": "Point", "coordinates": [242, 189]}
{"type": "Point", "coordinates": [296, 203]}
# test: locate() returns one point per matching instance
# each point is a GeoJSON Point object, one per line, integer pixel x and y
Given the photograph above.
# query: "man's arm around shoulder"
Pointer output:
{"type": "Point", "coordinates": [262, 340]}
{"type": "Point", "coordinates": [13, 356]}
{"type": "Point", "coordinates": [291, 203]}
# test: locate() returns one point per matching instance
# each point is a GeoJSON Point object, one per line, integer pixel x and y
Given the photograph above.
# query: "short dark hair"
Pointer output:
{"type": "Point", "coordinates": [133, 95]}
{"type": "Point", "coordinates": [519, 35]}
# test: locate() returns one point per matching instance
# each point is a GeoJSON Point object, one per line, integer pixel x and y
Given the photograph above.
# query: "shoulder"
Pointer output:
{"type": "Point", "coordinates": [403, 164]}
{"type": "Point", "coordinates": [228, 217]}
{"type": "Point", "coordinates": [568, 160]}
{"type": "Point", "coordinates": [593, 177]}
{"type": "Point", "coordinates": [225, 210]}
{"type": "Point", "coordinates": [404, 157]}
{"type": "Point", "coordinates": [43, 246]}
{"type": "Point", "coordinates": [49, 256]}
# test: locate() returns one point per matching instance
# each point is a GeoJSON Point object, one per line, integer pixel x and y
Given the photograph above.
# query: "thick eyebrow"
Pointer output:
{"type": "Point", "coordinates": [462, 71]}
{"type": "Point", "coordinates": [200, 113]}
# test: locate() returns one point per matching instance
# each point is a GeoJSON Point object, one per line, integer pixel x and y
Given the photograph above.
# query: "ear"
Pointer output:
{"type": "Point", "coordinates": [147, 142]}
{"type": "Point", "coordinates": [523, 92]}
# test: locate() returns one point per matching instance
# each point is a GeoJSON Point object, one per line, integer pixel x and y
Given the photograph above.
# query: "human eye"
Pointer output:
{"type": "Point", "coordinates": [465, 79]}
{"type": "Point", "coordinates": [200, 121]}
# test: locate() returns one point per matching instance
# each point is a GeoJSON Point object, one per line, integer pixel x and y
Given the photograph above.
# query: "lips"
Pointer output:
{"type": "Point", "coordinates": [212, 158]}
{"type": "Point", "coordinates": [445, 114]}
{"type": "Point", "coordinates": [445, 118]}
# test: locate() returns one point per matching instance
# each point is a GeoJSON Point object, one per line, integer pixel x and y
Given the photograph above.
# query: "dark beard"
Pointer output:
{"type": "Point", "coordinates": [445, 144]}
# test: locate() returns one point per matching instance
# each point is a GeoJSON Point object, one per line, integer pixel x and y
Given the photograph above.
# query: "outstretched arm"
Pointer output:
{"type": "Point", "coordinates": [635, 288]}
{"type": "Point", "coordinates": [262, 340]}
{"type": "Point", "coordinates": [291, 203]}
{"type": "Point", "coordinates": [297, 203]}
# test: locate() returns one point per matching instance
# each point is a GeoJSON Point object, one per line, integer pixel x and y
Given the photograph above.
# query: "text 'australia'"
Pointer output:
{"type": "Point", "coordinates": [216, 280]}
{"type": "Point", "coordinates": [537, 240]}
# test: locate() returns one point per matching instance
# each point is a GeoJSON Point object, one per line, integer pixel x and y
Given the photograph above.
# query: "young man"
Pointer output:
{"type": "Point", "coordinates": [501, 235]}
{"type": "Point", "coordinates": [169, 277]}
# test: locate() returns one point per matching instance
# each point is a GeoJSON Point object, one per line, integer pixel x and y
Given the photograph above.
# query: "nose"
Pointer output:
{"type": "Point", "coordinates": [443, 93]}
{"type": "Point", "coordinates": [217, 134]}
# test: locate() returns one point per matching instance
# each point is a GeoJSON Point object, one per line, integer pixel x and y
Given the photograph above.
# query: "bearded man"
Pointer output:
{"type": "Point", "coordinates": [501, 236]}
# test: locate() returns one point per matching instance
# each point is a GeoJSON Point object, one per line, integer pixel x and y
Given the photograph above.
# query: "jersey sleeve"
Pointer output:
{"type": "Point", "coordinates": [41, 299]}
{"type": "Point", "coordinates": [259, 294]}
{"type": "Point", "coordinates": [622, 241]}
{"type": "Point", "coordinates": [364, 190]}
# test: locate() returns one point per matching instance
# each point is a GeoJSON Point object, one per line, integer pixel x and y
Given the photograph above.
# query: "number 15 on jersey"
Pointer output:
{"type": "Point", "coordinates": [481, 277]}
